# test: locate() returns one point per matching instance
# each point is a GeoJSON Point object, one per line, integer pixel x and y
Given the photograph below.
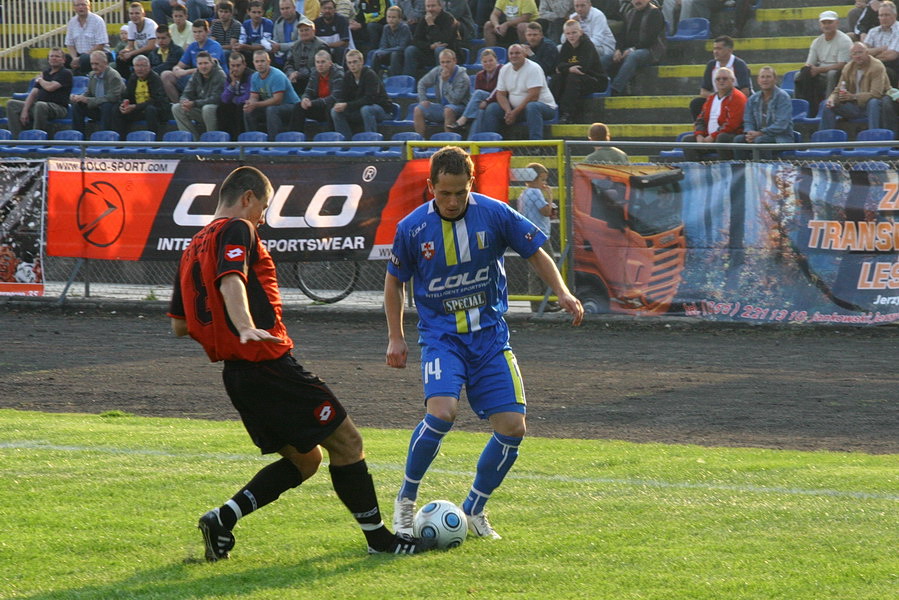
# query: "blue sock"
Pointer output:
{"type": "Point", "coordinates": [423, 447]}
{"type": "Point", "coordinates": [497, 458]}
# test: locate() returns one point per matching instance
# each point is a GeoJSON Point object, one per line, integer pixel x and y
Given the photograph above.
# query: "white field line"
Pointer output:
{"type": "Point", "coordinates": [625, 481]}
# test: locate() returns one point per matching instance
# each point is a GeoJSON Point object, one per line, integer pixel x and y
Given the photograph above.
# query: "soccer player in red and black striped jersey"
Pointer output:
{"type": "Point", "coordinates": [226, 297]}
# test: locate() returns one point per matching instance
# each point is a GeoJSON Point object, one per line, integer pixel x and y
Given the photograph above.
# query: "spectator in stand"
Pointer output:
{"type": "Point", "coordinates": [165, 55]}
{"type": "Point", "coordinates": [537, 206]}
{"type": "Point", "coordinates": [540, 50]}
{"type": "Point", "coordinates": [862, 18]}
{"type": "Point", "coordinates": [363, 101]}
{"type": "Point", "coordinates": [322, 91]}
{"type": "Point", "coordinates": [883, 41]}
{"type": "Point", "coordinates": [104, 92]}
{"type": "Point", "coordinates": [285, 32]}
{"type": "Point", "coordinates": [613, 11]}
{"type": "Point", "coordinates": [334, 30]}
{"type": "Point", "coordinates": [144, 99]}
{"type": "Point", "coordinates": [721, 119]}
{"type": "Point", "coordinates": [484, 93]}
{"type": "Point", "coordinates": [122, 43]}
{"type": "Point", "coordinates": [863, 82]}
{"type": "Point", "coordinates": [367, 23]}
{"type": "Point", "coordinates": [461, 11]}
{"type": "Point", "coordinates": [723, 53]}
{"type": "Point", "coordinates": [452, 88]}
{"type": "Point", "coordinates": [301, 60]}
{"type": "Point", "coordinates": [608, 155]}
{"type": "Point", "coordinates": [272, 98]}
{"type": "Point", "coordinates": [181, 29]}
{"type": "Point", "coordinates": [311, 9]}
{"type": "Point", "coordinates": [141, 38]}
{"type": "Point", "coordinates": [642, 43]}
{"type": "Point", "coordinates": [196, 111]}
{"type": "Point", "coordinates": [551, 15]}
{"type": "Point", "coordinates": [229, 113]}
{"type": "Point", "coordinates": [413, 12]}
{"type": "Point", "coordinates": [595, 26]}
{"type": "Point", "coordinates": [255, 33]}
{"type": "Point", "coordinates": [578, 73]}
{"type": "Point", "coordinates": [345, 8]}
{"type": "Point", "coordinates": [85, 32]}
{"type": "Point", "coordinates": [689, 9]}
{"type": "Point", "coordinates": [827, 56]}
{"type": "Point", "coordinates": [48, 98]}
{"type": "Point", "coordinates": [508, 22]}
{"type": "Point", "coordinates": [768, 117]}
{"type": "Point", "coordinates": [196, 9]}
{"type": "Point", "coordinates": [226, 29]}
{"type": "Point", "coordinates": [521, 95]}
{"type": "Point", "coordinates": [395, 38]}
{"type": "Point", "coordinates": [176, 79]}
{"type": "Point", "coordinates": [435, 32]}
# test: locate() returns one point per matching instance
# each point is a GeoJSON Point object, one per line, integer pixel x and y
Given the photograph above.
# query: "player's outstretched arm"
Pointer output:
{"type": "Point", "coordinates": [394, 297]}
{"type": "Point", "coordinates": [234, 293]}
{"type": "Point", "coordinates": [546, 269]}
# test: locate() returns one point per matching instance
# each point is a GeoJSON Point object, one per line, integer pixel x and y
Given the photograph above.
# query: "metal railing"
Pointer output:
{"type": "Point", "coordinates": [29, 23]}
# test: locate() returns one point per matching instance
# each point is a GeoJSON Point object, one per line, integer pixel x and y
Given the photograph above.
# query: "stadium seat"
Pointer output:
{"type": "Point", "coordinates": [871, 135]}
{"type": "Point", "coordinates": [695, 28]}
{"type": "Point", "coordinates": [141, 135]}
{"type": "Point", "coordinates": [252, 136]}
{"type": "Point", "coordinates": [400, 86]}
{"type": "Point", "coordinates": [71, 135]}
{"type": "Point", "coordinates": [104, 135]}
{"type": "Point", "coordinates": [28, 135]}
{"type": "Point", "coordinates": [812, 121]}
{"type": "Point", "coordinates": [5, 134]}
{"type": "Point", "coordinates": [675, 153]}
{"type": "Point", "coordinates": [443, 136]}
{"type": "Point", "coordinates": [364, 136]}
{"type": "Point", "coordinates": [79, 84]}
{"type": "Point", "coordinates": [326, 136]}
{"type": "Point", "coordinates": [23, 95]}
{"type": "Point", "coordinates": [788, 83]}
{"type": "Point", "coordinates": [286, 137]}
{"type": "Point", "coordinates": [824, 135]}
{"type": "Point", "coordinates": [172, 137]}
{"type": "Point", "coordinates": [797, 138]}
{"type": "Point", "coordinates": [800, 108]}
{"type": "Point", "coordinates": [487, 136]}
{"type": "Point", "coordinates": [396, 121]}
{"type": "Point", "coordinates": [216, 136]}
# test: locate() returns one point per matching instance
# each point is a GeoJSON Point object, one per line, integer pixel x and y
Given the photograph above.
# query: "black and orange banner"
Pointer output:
{"type": "Point", "coordinates": [146, 209]}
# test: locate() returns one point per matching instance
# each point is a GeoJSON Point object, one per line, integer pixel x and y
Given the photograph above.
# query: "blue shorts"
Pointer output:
{"type": "Point", "coordinates": [483, 362]}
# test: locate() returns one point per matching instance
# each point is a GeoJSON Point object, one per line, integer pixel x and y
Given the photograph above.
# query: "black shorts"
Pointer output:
{"type": "Point", "coordinates": [281, 403]}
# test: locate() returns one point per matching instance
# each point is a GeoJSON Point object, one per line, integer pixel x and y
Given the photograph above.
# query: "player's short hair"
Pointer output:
{"type": "Point", "coordinates": [451, 160]}
{"type": "Point", "coordinates": [243, 179]}
{"type": "Point", "coordinates": [599, 132]}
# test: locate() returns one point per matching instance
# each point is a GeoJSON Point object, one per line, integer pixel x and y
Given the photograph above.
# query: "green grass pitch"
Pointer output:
{"type": "Point", "coordinates": [105, 507]}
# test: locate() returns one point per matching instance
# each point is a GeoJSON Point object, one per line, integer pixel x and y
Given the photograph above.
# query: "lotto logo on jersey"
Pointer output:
{"type": "Point", "coordinates": [324, 413]}
{"type": "Point", "coordinates": [427, 250]}
{"type": "Point", "coordinates": [235, 253]}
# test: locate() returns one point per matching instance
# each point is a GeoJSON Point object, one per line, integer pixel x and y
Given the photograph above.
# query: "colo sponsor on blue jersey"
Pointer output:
{"type": "Point", "coordinates": [459, 277]}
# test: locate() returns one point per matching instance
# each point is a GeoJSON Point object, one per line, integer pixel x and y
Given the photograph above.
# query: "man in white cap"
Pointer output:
{"type": "Point", "coordinates": [827, 56]}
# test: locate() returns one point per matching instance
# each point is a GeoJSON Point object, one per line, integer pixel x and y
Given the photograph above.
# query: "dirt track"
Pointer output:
{"type": "Point", "coordinates": [641, 381]}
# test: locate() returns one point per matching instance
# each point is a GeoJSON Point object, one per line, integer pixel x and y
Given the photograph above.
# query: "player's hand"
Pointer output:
{"type": "Point", "coordinates": [397, 352]}
{"type": "Point", "coordinates": [573, 307]}
{"type": "Point", "coordinates": [257, 335]}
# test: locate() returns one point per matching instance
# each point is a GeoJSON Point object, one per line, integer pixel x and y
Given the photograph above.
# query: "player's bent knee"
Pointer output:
{"type": "Point", "coordinates": [344, 446]}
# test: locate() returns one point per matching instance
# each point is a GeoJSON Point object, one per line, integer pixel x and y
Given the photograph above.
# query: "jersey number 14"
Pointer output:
{"type": "Point", "coordinates": [432, 369]}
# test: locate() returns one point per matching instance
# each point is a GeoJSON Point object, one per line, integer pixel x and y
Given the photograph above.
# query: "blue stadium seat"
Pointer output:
{"type": "Point", "coordinates": [141, 135]}
{"type": "Point", "coordinates": [675, 153]}
{"type": "Point", "coordinates": [695, 28]}
{"type": "Point", "coordinates": [326, 136]}
{"type": "Point", "coordinates": [253, 136]}
{"type": "Point", "coordinates": [402, 136]}
{"type": "Point", "coordinates": [79, 84]}
{"type": "Point", "coordinates": [364, 136]}
{"type": "Point", "coordinates": [216, 136]}
{"type": "Point", "coordinates": [400, 86]}
{"type": "Point", "coordinates": [797, 137]}
{"type": "Point", "coordinates": [5, 134]}
{"type": "Point", "coordinates": [71, 135]}
{"type": "Point", "coordinates": [29, 135]}
{"type": "Point", "coordinates": [812, 121]}
{"type": "Point", "coordinates": [871, 135]}
{"type": "Point", "coordinates": [788, 83]}
{"type": "Point", "coordinates": [407, 122]}
{"type": "Point", "coordinates": [23, 95]}
{"type": "Point", "coordinates": [177, 136]}
{"type": "Point", "coordinates": [800, 108]}
{"type": "Point", "coordinates": [286, 137]}
{"type": "Point", "coordinates": [824, 135]}
{"type": "Point", "coordinates": [443, 136]}
{"type": "Point", "coordinates": [104, 135]}
{"type": "Point", "coordinates": [487, 136]}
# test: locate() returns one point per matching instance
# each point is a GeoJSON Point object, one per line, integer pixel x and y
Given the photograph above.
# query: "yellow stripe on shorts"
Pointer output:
{"type": "Point", "coordinates": [449, 244]}
{"type": "Point", "coordinates": [516, 376]}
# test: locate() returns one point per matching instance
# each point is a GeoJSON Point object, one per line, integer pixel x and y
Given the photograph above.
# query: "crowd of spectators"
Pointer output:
{"type": "Point", "coordinates": [276, 65]}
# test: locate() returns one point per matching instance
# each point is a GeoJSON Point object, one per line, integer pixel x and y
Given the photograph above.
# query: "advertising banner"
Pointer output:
{"type": "Point", "coordinates": [759, 242]}
{"type": "Point", "coordinates": [21, 228]}
{"type": "Point", "coordinates": [146, 209]}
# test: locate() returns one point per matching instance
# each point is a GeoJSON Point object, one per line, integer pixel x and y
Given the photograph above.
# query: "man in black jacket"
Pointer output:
{"type": "Point", "coordinates": [578, 73]}
{"type": "Point", "coordinates": [642, 43]}
{"type": "Point", "coordinates": [166, 54]}
{"type": "Point", "coordinates": [321, 93]}
{"type": "Point", "coordinates": [539, 49]}
{"type": "Point", "coordinates": [362, 100]}
{"type": "Point", "coordinates": [437, 31]}
{"type": "Point", "coordinates": [144, 99]}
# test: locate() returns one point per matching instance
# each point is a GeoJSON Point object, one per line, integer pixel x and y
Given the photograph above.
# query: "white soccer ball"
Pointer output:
{"type": "Point", "coordinates": [443, 521]}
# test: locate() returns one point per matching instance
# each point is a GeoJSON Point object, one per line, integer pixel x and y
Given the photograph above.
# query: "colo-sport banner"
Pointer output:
{"type": "Point", "coordinates": [145, 209]}
{"type": "Point", "coordinates": [760, 242]}
{"type": "Point", "coordinates": [21, 231]}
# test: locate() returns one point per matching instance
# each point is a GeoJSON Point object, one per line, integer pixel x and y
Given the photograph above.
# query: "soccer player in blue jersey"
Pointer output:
{"type": "Point", "coordinates": [452, 248]}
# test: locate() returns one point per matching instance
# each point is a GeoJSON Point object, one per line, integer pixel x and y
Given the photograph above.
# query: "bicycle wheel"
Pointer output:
{"type": "Point", "coordinates": [328, 281]}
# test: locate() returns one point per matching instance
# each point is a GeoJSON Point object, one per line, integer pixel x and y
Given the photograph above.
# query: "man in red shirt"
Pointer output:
{"type": "Point", "coordinates": [226, 297]}
{"type": "Point", "coordinates": [721, 119]}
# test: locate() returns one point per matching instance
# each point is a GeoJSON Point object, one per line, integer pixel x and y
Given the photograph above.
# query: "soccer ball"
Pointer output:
{"type": "Point", "coordinates": [443, 521]}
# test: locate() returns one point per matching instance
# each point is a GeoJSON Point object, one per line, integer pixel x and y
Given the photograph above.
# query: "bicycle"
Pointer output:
{"type": "Point", "coordinates": [328, 281]}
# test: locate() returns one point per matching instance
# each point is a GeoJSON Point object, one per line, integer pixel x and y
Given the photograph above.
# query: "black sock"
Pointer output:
{"type": "Point", "coordinates": [355, 488]}
{"type": "Point", "coordinates": [264, 488]}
